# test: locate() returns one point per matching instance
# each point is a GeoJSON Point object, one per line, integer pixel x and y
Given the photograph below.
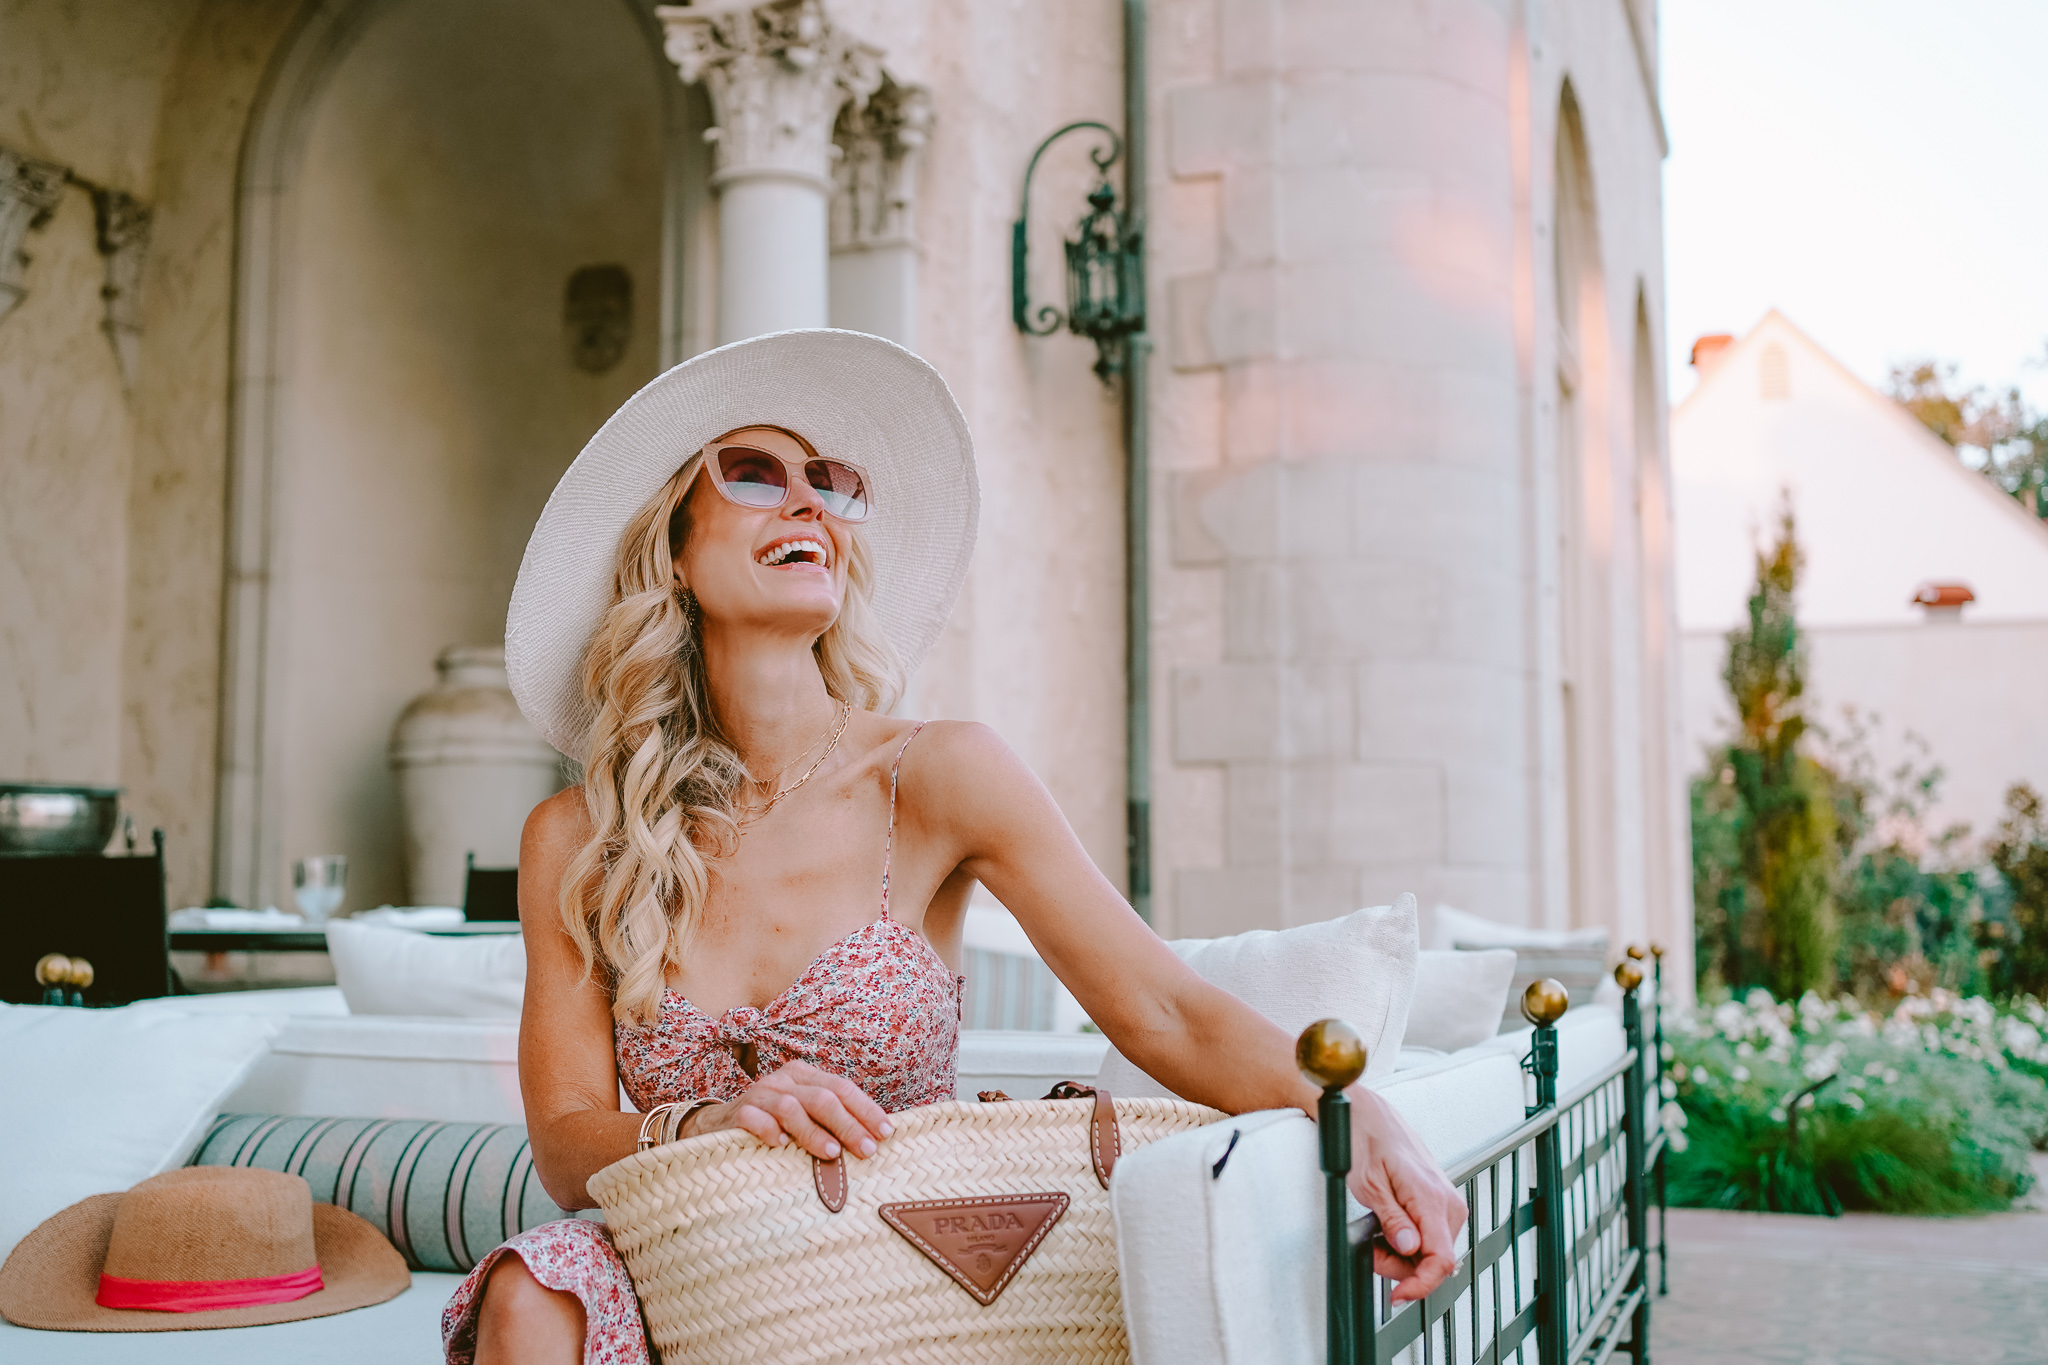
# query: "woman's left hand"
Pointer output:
{"type": "Point", "coordinates": [1420, 1211]}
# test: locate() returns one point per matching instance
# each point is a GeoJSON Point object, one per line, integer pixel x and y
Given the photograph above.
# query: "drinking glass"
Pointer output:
{"type": "Point", "coordinates": [318, 884]}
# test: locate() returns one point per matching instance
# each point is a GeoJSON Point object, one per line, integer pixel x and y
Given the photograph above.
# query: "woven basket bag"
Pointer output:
{"type": "Point", "coordinates": [977, 1232]}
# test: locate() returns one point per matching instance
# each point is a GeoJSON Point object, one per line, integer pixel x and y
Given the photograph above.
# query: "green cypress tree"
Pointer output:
{"type": "Point", "coordinates": [1786, 825]}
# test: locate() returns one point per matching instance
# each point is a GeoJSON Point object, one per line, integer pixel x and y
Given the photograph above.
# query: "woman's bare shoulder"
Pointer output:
{"type": "Point", "coordinates": [559, 825]}
{"type": "Point", "coordinates": [955, 760]}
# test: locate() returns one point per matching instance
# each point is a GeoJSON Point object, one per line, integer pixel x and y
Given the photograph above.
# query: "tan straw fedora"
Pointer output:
{"type": "Point", "coordinates": [204, 1246]}
{"type": "Point", "coordinates": [858, 397]}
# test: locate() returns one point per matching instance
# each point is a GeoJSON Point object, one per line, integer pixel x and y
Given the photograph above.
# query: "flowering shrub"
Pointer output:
{"type": "Point", "coordinates": [1822, 1106]}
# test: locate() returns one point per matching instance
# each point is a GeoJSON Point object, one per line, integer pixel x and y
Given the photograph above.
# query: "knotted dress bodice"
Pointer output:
{"type": "Point", "coordinates": [879, 1007]}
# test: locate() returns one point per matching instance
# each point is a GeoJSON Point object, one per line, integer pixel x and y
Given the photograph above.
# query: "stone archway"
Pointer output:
{"type": "Point", "coordinates": [399, 363]}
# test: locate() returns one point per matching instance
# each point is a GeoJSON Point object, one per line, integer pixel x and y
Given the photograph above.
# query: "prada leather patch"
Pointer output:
{"type": "Point", "coordinates": [981, 1243]}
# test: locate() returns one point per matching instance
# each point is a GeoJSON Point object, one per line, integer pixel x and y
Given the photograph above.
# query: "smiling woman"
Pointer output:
{"type": "Point", "coordinates": [742, 951]}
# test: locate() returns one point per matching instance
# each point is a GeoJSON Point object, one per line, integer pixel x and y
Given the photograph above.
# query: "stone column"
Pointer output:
{"type": "Point", "coordinates": [874, 245]}
{"type": "Point", "coordinates": [778, 75]}
{"type": "Point", "coordinates": [1366, 517]}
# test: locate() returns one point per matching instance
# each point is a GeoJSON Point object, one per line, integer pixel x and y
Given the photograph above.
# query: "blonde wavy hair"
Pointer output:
{"type": "Point", "coordinates": [661, 780]}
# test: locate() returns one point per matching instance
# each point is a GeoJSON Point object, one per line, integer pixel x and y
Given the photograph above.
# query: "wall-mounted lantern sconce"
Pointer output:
{"type": "Point", "coordinates": [1105, 264]}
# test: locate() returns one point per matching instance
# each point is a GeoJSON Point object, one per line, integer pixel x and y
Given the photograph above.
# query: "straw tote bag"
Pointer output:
{"type": "Point", "coordinates": [977, 1232]}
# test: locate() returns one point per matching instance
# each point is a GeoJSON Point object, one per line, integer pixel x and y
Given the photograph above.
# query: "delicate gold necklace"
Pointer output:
{"type": "Point", "coordinates": [749, 814]}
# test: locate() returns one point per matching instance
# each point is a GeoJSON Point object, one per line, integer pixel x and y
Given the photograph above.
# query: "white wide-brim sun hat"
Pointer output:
{"type": "Point", "coordinates": [859, 397]}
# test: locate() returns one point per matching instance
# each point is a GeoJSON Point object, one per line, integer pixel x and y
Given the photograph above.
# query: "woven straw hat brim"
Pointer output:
{"type": "Point", "coordinates": [50, 1279]}
{"type": "Point", "coordinates": [859, 397]}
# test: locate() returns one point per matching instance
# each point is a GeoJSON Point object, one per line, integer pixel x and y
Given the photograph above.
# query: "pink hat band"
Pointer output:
{"type": "Point", "coordinates": [199, 1296]}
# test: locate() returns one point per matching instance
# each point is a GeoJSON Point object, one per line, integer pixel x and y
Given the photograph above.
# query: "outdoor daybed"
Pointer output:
{"type": "Point", "coordinates": [451, 1187]}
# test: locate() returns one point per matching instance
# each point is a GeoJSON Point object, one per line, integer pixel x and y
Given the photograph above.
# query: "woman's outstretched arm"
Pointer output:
{"type": "Point", "coordinates": [974, 798]}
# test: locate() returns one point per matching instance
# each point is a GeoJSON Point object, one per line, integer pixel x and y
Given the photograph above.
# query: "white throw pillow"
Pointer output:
{"type": "Point", "coordinates": [99, 1099]}
{"type": "Point", "coordinates": [1451, 927]}
{"type": "Point", "coordinates": [1459, 997]}
{"type": "Point", "coordinates": [1360, 968]}
{"type": "Point", "coordinates": [398, 971]}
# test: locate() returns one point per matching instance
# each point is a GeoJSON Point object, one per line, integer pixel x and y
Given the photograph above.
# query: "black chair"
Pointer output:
{"type": "Point", "coordinates": [108, 910]}
{"type": "Point", "coordinates": [490, 893]}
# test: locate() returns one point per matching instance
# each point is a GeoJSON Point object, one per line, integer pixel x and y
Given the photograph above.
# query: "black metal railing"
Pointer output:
{"type": "Point", "coordinates": [1553, 1262]}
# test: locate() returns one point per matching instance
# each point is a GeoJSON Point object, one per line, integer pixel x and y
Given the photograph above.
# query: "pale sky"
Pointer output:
{"type": "Point", "coordinates": [1877, 170]}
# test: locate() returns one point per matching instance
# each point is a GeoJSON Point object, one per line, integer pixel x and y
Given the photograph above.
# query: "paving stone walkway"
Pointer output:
{"type": "Point", "coordinates": [1863, 1289]}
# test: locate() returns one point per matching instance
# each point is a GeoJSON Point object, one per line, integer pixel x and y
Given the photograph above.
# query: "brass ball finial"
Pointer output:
{"type": "Point", "coordinates": [81, 974]}
{"type": "Point", "coordinates": [1330, 1053]}
{"type": "Point", "coordinates": [1545, 1001]}
{"type": "Point", "coordinates": [53, 969]}
{"type": "Point", "coordinates": [1657, 951]}
{"type": "Point", "coordinates": [1628, 976]}
{"type": "Point", "coordinates": [1635, 950]}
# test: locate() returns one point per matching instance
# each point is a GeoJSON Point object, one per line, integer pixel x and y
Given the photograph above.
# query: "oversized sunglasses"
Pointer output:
{"type": "Point", "coordinates": [748, 476]}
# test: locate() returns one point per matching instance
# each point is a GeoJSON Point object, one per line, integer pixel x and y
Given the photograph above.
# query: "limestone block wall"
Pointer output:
{"type": "Point", "coordinates": [1361, 587]}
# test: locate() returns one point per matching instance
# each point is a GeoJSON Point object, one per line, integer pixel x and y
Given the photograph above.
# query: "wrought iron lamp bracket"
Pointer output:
{"type": "Point", "coordinates": [1106, 295]}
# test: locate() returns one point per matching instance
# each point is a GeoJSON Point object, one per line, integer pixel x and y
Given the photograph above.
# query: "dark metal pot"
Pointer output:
{"type": "Point", "coordinates": [48, 817]}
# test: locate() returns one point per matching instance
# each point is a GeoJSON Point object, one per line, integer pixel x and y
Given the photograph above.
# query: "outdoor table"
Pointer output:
{"type": "Point", "coordinates": [306, 940]}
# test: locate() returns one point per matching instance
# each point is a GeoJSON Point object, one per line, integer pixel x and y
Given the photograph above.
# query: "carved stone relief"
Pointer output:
{"type": "Point", "coordinates": [29, 191]}
{"type": "Point", "coordinates": [778, 74]}
{"type": "Point", "coordinates": [123, 240]}
{"type": "Point", "coordinates": [598, 316]}
{"type": "Point", "coordinates": [875, 177]}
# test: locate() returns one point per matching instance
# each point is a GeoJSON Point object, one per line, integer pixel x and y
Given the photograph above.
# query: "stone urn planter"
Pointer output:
{"type": "Point", "coordinates": [469, 768]}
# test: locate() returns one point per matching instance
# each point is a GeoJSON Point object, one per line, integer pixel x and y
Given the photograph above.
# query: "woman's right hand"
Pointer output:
{"type": "Point", "coordinates": [817, 1110]}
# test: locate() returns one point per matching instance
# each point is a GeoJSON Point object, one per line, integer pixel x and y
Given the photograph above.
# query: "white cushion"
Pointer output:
{"type": "Point", "coordinates": [1024, 1064]}
{"type": "Point", "coordinates": [1458, 997]}
{"type": "Point", "coordinates": [1450, 927]}
{"type": "Point", "coordinates": [1360, 968]}
{"type": "Point", "coordinates": [315, 1001]}
{"type": "Point", "coordinates": [1223, 1267]}
{"type": "Point", "coordinates": [397, 971]}
{"type": "Point", "coordinates": [99, 1099]}
{"type": "Point", "coordinates": [391, 1066]}
{"type": "Point", "coordinates": [388, 1066]}
{"type": "Point", "coordinates": [401, 1331]}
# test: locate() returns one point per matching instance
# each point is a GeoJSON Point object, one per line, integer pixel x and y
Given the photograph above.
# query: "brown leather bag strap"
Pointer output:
{"type": "Point", "coordinates": [830, 1178]}
{"type": "Point", "coordinates": [1105, 1143]}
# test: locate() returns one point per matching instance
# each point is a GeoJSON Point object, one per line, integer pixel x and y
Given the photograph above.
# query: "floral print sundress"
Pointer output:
{"type": "Point", "coordinates": [879, 1007]}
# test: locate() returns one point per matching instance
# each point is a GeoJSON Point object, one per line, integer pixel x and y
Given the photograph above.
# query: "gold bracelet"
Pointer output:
{"type": "Point", "coordinates": [655, 1116]}
{"type": "Point", "coordinates": [664, 1124]}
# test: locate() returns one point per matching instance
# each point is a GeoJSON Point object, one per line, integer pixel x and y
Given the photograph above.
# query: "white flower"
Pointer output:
{"type": "Point", "coordinates": [1853, 1100]}
{"type": "Point", "coordinates": [1741, 1073]}
{"type": "Point", "coordinates": [1669, 1090]}
{"type": "Point", "coordinates": [1778, 1113]}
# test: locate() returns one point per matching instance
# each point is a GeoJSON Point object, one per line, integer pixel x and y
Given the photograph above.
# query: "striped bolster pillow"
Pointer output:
{"type": "Point", "coordinates": [444, 1193]}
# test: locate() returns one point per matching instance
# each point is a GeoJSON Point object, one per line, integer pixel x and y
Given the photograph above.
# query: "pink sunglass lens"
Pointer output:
{"type": "Point", "coordinates": [752, 478]}
{"type": "Point", "coordinates": [839, 487]}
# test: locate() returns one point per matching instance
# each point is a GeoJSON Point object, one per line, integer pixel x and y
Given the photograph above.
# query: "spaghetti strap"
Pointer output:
{"type": "Point", "coordinates": [889, 848]}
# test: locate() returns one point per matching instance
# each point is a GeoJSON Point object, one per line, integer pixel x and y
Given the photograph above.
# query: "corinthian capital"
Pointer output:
{"type": "Point", "coordinates": [876, 173]}
{"type": "Point", "coordinates": [778, 75]}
